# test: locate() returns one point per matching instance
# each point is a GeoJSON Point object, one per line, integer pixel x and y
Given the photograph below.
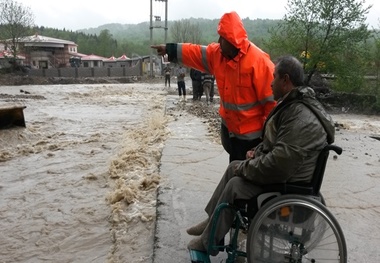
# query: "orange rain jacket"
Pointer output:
{"type": "Point", "coordinates": [244, 83]}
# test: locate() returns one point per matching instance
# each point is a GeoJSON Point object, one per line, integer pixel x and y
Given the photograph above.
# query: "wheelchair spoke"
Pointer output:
{"type": "Point", "coordinates": [308, 233]}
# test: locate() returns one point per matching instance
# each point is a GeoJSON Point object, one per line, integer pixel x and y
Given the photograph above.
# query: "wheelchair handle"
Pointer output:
{"type": "Point", "coordinates": [335, 148]}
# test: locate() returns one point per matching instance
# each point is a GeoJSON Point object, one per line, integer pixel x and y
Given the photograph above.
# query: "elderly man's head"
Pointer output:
{"type": "Point", "coordinates": [287, 75]}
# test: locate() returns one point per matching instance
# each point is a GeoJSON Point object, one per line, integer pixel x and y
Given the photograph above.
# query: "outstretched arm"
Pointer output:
{"type": "Point", "coordinates": [168, 51]}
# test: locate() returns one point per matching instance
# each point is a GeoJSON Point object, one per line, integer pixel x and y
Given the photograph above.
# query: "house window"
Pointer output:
{"type": "Point", "coordinates": [43, 64]}
{"type": "Point", "coordinates": [85, 64]}
{"type": "Point", "coordinates": [95, 63]}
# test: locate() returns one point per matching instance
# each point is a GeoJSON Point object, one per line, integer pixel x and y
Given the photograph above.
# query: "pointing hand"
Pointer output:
{"type": "Point", "coordinates": [161, 49]}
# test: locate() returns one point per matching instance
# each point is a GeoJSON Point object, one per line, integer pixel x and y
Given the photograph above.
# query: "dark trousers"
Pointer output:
{"type": "Point", "coordinates": [167, 80]}
{"type": "Point", "coordinates": [197, 89]}
{"type": "Point", "coordinates": [229, 189]}
{"type": "Point", "coordinates": [236, 148]}
{"type": "Point", "coordinates": [212, 92]}
{"type": "Point", "coordinates": [181, 88]}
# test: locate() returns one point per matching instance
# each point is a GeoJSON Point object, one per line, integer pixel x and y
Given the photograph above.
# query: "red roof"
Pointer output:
{"type": "Point", "coordinates": [6, 54]}
{"type": "Point", "coordinates": [93, 57]}
{"type": "Point", "coordinates": [123, 57]}
{"type": "Point", "coordinates": [78, 55]}
{"type": "Point", "coordinates": [111, 59]}
{"type": "Point", "coordinates": [2, 54]}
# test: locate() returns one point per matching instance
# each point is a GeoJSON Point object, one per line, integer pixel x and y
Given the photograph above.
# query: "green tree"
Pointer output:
{"type": "Point", "coordinates": [106, 44]}
{"type": "Point", "coordinates": [184, 31]}
{"type": "Point", "coordinates": [376, 60]}
{"type": "Point", "coordinates": [15, 22]}
{"type": "Point", "coordinates": [325, 34]}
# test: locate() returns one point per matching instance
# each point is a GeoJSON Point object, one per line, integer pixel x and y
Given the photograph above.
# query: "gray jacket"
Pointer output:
{"type": "Point", "coordinates": [295, 132]}
{"type": "Point", "coordinates": [181, 74]}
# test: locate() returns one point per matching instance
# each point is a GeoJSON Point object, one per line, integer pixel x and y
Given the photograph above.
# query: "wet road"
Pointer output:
{"type": "Point", "coordinates": [192, 165]}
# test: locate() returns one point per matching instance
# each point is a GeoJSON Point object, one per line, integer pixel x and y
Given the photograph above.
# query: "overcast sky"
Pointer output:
{"type": "Point", "coordinates": [80, 14]}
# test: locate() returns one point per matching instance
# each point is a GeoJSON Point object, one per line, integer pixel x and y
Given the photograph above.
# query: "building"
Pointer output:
{"type": "Point", "coordinates": [92, 61]}
{"type": "Point", "coordinates": [56, 55]}
{"type": "Point", "coordinates": [6, 57]}
{"type": "Point", "coordinates": [122, 61]}
{"type": "Point", "coordinates": [43, 52]}
{"type": "Point", "coordinates": [110, 62]}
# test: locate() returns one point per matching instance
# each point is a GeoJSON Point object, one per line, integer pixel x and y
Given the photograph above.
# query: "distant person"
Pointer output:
{"type": "Point", "coordinates": [196, 82]}
{"type": "Point", "coordinates": [212, 90]}
{"type": "Point", "coordinates": [243, 74]}
{"type": "Point", "coordinates": [208, 87]}
{"type": "Point", "coordinates": [295, 132]}
{"type": "Point", "coordinates": [167, 72]}
{"type": "Point", "coordinates": [181, 83]}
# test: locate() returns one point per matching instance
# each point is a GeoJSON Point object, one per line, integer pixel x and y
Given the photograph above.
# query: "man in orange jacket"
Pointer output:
{"type": "Point", "coordinates": [243, 74]}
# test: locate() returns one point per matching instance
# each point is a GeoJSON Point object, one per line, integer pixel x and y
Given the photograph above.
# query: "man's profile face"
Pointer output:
{"type": "Point", "coordinates": [277, 85]}
{"type": "Point", "coordinates": [227, 49]}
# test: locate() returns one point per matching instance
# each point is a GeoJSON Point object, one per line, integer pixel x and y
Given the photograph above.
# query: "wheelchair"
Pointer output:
{"type": "Point", "coordinates": [285, 223]}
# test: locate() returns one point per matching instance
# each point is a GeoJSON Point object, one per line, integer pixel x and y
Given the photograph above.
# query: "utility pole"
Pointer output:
{"type": "Point", "coordinates": [157, 18]}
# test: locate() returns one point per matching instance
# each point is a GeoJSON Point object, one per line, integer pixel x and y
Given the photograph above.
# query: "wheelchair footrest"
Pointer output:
{"type": "Point", "coordinates": [199, 256]}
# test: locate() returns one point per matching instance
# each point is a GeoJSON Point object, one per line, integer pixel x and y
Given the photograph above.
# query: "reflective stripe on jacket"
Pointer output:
{"type": "Point", "coordinates": [244, 83]}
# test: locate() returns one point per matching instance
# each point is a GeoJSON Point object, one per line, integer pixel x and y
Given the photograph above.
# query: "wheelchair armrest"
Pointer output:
{"type": "Point", "coordinates": [298, 189]}
{"type": "Point", "coordinates": [290, 188]}
{"type": "Point", "coordinates": [249, 207]}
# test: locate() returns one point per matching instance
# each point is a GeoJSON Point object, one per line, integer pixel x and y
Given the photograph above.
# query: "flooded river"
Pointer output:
{"type": "Point", "coordinates": [78, 183]}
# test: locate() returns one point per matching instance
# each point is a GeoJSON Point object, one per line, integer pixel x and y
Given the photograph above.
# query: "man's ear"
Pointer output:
{"type": "Point", "coordinates": [286, 78]}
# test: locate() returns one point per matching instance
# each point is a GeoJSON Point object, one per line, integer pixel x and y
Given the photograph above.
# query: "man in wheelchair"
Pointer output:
{"type": "Point", "coordinates": [295, 132]}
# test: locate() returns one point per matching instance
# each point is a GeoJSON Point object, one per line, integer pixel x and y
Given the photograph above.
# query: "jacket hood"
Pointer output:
{"type": "Point", "coordinates": [306, 95]}
{"type": "Point", "coordinates": [231, 28]}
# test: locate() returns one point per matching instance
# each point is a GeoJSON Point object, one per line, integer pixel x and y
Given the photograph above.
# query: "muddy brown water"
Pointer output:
{"type": "Point", "coordinates": [81, 174]}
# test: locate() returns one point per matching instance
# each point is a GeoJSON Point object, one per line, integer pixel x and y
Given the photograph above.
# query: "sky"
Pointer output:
{"type": "Point", "coordinates": [81, 14]}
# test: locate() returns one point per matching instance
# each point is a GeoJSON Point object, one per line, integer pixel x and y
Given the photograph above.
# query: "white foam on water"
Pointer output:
{"type": "Point", "coordinates": [78, 184]}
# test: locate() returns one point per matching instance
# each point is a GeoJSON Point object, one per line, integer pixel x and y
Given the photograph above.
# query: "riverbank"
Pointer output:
{"type": "Point", "coordinates": [334, 102]}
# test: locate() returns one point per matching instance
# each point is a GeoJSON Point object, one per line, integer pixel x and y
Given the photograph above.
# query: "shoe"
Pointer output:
{"type": "Point", "coordinates": [196, 244]}
{"type": "Point", "coordinates": [198, 229]}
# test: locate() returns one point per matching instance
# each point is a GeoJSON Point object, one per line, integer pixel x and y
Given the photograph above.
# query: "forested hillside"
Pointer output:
{"type": "Point", "coordinates": [134, 39]}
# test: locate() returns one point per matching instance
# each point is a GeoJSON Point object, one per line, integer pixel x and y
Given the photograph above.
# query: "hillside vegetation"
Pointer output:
{"type": "Point", "coordinates": [134, 39]}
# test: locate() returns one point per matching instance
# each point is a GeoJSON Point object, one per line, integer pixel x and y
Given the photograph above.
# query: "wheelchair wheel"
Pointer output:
{"type": "Point", "coordinates": [295, 229]}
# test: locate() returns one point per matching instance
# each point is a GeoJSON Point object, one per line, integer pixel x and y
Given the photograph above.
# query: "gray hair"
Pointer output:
{"type": "Point", "coordinates": [292, 67]}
